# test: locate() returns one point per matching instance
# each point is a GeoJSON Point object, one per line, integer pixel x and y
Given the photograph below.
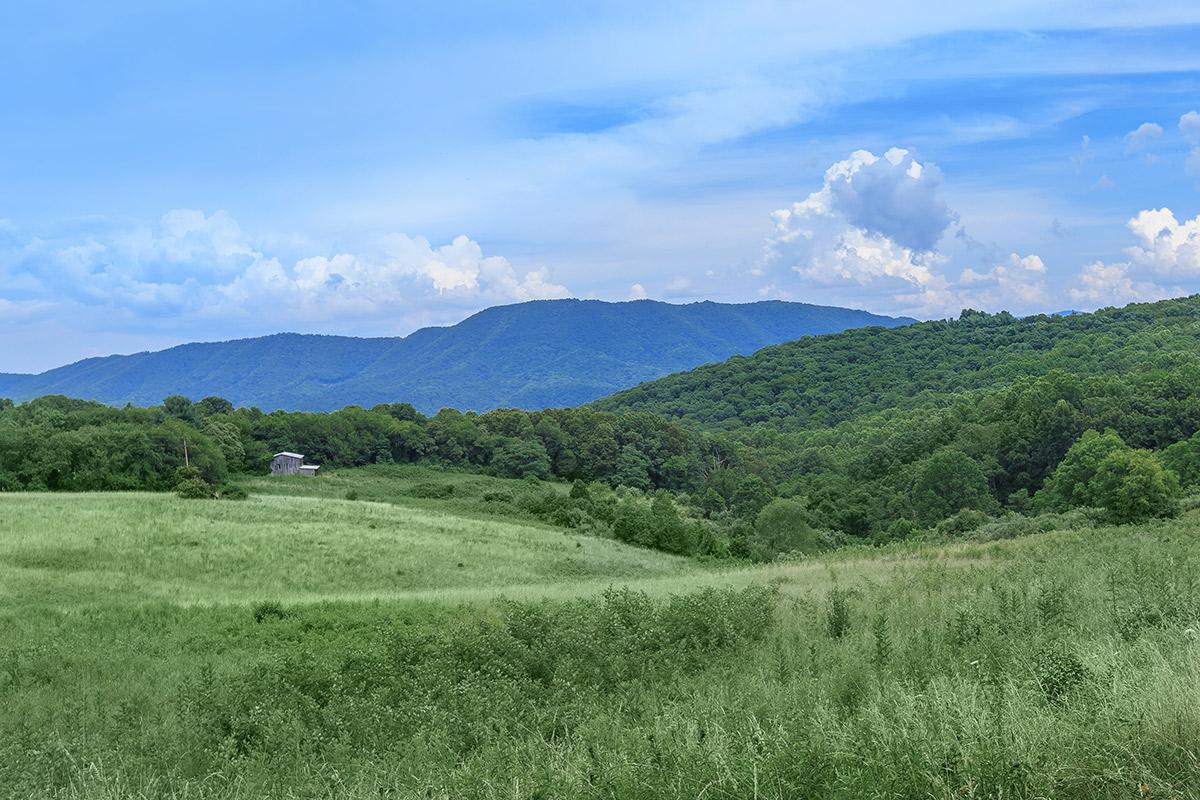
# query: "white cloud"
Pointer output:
{"type": "Point", "coordinates": [872, 219]}
{"type": "Point", "coordinates": [14, 311]}
{"type": "Point", "coordinates": [876, 223]}
{"type": "Point", "coordinates": [192, 266]}
{"type": "Point", "coordinates": [1165, 248]}
{"type": "Point", "coordinates": [1102, 284]}
{"type": "Point", "coordinates": [637, 292]}
{"type": "Point", "coordinates": [1018, 282]}
{"type": "Point", "coordinates": [1189, 126]}
{"type": "Point", "coordinates": [1141, 137]}
{"type": "Point", "coordinates": [1165, 245]}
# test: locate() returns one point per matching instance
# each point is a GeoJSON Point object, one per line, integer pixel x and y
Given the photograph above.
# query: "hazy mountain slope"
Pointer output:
{"type": "Point", "coordinates": [12, 384]}
{"type": "Point", "coordinates": [828, 379]}
{"type": "Point", "coordinates": [529, 355]}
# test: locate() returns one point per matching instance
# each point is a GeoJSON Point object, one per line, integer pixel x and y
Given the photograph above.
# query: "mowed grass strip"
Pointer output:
{"type": "Point", "coordinates": [64, 550]}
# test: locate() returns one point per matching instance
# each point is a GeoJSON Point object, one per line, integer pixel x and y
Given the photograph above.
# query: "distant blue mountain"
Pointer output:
{"type": "Point", "coordinates": [529, 355]}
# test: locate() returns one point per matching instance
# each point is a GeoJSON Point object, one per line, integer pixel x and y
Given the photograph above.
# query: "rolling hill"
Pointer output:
{"type": "Point", "coordinates": [528, 355]}
{"type": "Point", "coordinates": [821, 381]}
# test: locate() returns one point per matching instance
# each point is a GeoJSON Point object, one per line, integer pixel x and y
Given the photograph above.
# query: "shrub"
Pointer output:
{"type": "Point", "coordinates": [1132, 486]}
{"type": "Point", "coordinates": [268, 610]}
{"type": "Point", "coordinates": [233, 492]}
{"type": "Point", "coordinates": [1014, 525]}
{"type": "Point", "coordinates": [194, 489]}
{"type": "Point", "coordinates": [1058, 671]}
{"type": "Point", "coordinates": [963, 522]}
{"type": "Point", "coordinates": [187, 473]}
{"type": "Point", "coordinates": [1189, 503]}
{"type": "Point", "coordinates": [351, 494]}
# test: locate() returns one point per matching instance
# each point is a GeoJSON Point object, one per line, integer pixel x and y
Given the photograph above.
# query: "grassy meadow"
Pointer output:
{"type": "Point", "coordinates": [299, 644]}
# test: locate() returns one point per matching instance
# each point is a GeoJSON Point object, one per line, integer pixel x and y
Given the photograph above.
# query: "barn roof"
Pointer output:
{"type": "Point", "coordinates": [289, 455]}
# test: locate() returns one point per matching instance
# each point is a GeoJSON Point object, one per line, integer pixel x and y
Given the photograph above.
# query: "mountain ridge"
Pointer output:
{"type": "Point", "coordinates": [528, 355]}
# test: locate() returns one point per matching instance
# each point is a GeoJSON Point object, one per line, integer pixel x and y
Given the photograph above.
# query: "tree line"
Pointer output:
{"type": "Point", "coordinates": [755, 492]}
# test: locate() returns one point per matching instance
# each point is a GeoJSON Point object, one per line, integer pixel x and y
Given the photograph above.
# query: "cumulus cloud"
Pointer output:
{"type": "Point", "coordinates": [1165, 245]}
{"type": "Point", "coordinates": [637, 292]}
{"type": "Point", "coordinates": [1164, 248]}
{"type": "Point", "coordinates": [872, 218]}
{"type": "Point", "coordinates": [876, 222]}
{"type": "Point", "coordinates": [193, 266]}
{"type": "Point", "coordinates": [1019, 279]}
{"type": "Point", "coordinates": [895, 196]}
{"type": "Point", "coordinates": [1101, 284]}
{"type": "Point", "coordinates": [1142, 137]}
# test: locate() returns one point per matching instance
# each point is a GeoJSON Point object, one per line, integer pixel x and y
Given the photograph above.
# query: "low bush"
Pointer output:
{"type": "Point", "coordinates": [233, 492]}
{"type": "Point", "coordinates": [194, 489]}
{"type": "Point", "coordinates": [961, 523]}
{"type": "Point", "coordinates": [268, 610]}
{"type": "Point", "coordinates": [1014, 525]}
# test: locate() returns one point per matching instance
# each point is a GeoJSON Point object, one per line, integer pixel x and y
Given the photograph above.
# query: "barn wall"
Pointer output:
{"type": "Point", "coordinates": [285, 465]}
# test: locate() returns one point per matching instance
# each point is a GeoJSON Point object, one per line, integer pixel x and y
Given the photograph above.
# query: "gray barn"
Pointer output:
{"type": "Point", "coordinates": [292, 464]}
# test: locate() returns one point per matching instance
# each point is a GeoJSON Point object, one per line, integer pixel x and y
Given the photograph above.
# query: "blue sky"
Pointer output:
{"type": "Point", "coordinates": [184, 171]}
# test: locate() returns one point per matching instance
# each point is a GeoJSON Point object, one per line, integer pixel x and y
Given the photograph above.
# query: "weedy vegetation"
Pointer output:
{"type": "Point", "coordinates": [290, 646]}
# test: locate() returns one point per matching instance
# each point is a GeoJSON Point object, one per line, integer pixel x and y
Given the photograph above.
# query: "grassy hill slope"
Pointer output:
{"type": "Point", "coordinates": [86, 548]}
{"type": "Point", "coordinates": [529, 355]}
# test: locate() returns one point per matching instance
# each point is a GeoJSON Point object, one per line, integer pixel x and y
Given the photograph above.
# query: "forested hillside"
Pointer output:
{"type": "Point", "coordinates": [825, 380]}
{"type": "Point", "coordinates": [529, 355]}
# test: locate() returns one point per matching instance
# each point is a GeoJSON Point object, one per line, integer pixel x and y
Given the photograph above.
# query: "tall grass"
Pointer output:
{"type": "Point", "coordinates": [1057, 665]}
{"type": "Point", "coordinates": [65, 549]}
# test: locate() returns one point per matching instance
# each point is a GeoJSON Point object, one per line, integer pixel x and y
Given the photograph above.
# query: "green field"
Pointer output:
{"type": "Point", "coordinates": [298, 644]}
{"type": "Point", "coordinates": [67, 551]}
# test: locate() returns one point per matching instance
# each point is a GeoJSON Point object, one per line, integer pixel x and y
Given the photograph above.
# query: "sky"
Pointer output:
{"type": "Point", "coordinates": [186, 171]}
